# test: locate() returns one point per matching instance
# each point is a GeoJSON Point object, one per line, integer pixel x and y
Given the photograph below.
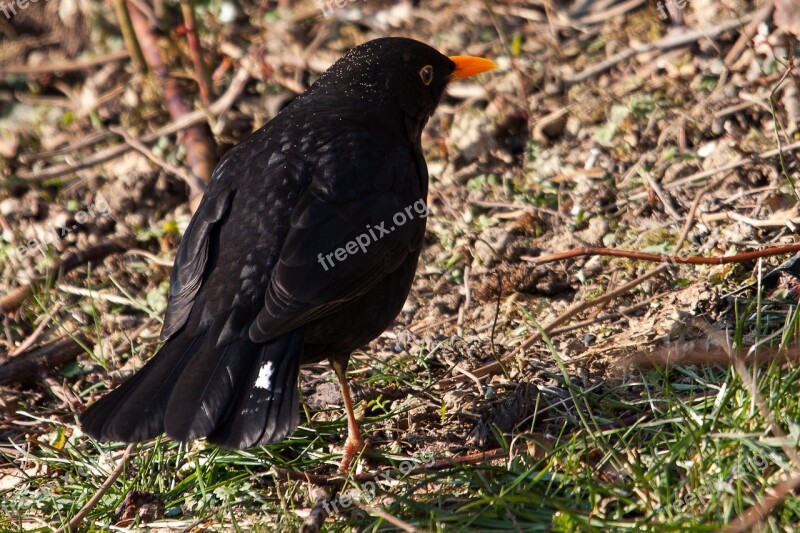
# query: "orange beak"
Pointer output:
{"type": "Point", "coordinates": [467, 66]}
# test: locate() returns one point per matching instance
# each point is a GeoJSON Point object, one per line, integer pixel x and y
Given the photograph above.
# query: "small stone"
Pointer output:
{"type": "Point", "coordinates": [9, 206]}
{"type": "Point", "coordinates": [491, 244]}
{"type": "Point", "coordinates": [593, 235]}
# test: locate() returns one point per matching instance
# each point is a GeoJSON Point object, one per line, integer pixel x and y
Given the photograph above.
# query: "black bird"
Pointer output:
{"type": "Point", "coordinates": [303, 247]}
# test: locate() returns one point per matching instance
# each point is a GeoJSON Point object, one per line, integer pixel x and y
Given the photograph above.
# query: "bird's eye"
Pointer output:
{"type": "Point", "coordinates": [426, 73]}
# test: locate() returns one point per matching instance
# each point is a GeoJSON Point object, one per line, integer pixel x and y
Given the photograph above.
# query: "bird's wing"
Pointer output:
{"type": "Point", "coordinates": [190, 263]}
{"type": "Point", "coordinates": [308, 280]}
{"type": "Point", "coordinates": [234, 238]}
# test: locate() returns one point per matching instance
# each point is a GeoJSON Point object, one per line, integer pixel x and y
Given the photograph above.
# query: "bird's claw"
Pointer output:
{"type": "Point", "coordinates": [352, 448]}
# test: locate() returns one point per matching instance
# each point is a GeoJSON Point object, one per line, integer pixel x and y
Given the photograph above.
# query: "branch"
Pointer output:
{"type": "Point", "coordinates": [101, 156]}
{"type": "Point", "coordinates": [86, 509]}
{"type": "Point", "coordinates": [67, 66]}
{"type": "Point", "coordinates": [663, 258]}
{"type": "Point", "coordinates": [26, 366]}
{"type": "Point", "coordinates": [667, 43]}
{"type": "Point", "coordinates": [200, 148]}
{"type": "Point", "coordinates": [12, 301]}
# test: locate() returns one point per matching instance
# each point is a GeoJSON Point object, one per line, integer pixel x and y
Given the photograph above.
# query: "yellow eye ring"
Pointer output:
{"type": "Point", "coordinates": [426, 74]}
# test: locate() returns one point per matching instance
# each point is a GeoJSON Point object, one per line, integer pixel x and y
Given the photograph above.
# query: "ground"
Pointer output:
{"type": "Point", "coordinates": [512, 394]}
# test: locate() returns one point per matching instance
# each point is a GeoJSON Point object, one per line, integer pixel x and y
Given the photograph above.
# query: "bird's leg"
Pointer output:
{"type": "Point", "coordinates": [354, 443]}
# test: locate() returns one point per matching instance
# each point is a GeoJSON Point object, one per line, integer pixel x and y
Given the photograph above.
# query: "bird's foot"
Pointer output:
{"type": "Point", "coordinates": [352, 448]}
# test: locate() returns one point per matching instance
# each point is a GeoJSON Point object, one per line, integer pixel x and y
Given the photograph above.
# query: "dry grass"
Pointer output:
{"type": "Point", "coordinates": [690, 144]}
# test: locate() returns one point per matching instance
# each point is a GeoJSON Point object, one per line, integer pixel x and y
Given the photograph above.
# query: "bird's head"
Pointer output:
{"type": "Point", "coordinates": [400, 73]}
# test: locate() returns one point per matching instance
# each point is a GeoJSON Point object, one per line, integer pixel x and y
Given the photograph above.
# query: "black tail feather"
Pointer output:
{"type": "Point", "coordinates": [266, 408]}
{"type": "Point", "coordinates": [135, 411]}
{"type": "Point", "coordinates": [237, 395]}
{"type": "Point", "coordinates": [201, 397]}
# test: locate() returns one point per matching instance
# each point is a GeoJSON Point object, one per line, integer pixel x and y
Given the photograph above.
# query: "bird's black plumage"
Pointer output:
{"type": "Point", "coordinates": [250, 299]}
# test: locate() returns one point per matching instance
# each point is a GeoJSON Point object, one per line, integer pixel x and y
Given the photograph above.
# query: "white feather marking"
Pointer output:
{"type": "Point", "coordinates": [264, 380]}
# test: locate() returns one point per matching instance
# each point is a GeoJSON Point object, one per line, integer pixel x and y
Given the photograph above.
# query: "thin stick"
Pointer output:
{"type": "Point", "coordinates": [710, 172]}
{"type": "Point", "coordinates": [472, 458]}
{"type": "Point", "coordinates": [615, 11]}
{"type": "Point", "coordinates": [667, 43]}
{"type": "Point", "coordinates": [772, 222]}
{"type": "Point", "coordinates": [129, 35]}
{"type": "Point", "coordinates": [89, 140]}
{"type": "Point", "coordinates": [665, 200]}
{"type": "Point", "coordinates": [442, 464]}
{"type": "Point", "coordinates": [757, 512]}
{"type": "Point", "coordinates": [26, 366]}
{"type": "Point", "coordinates": [663, 258]}
{"type": "Point", "coordinates": [203, 81]}
{"type": "Point", "coordinates": [32, 338]}
{"type": "Point", "coordinates": [86, 509]}
{"type": "Point", "coordinates": [316, 518]}
{"type": "Point", "coordinates": [583, 306]}
{"type": "Point", "coordinates": [200, 157]}
{"type": "Point", "coordinates": [11, 301]}
{"type": "Point", "coordinates": [623, 312]}
{"type": "Point", "coordinates": [237, 86]}
{"type": "Point", "coordinates": [67, 66]}
{"type": "Point", "coordinates": [735, 53]}
{"type": "Point", "coordinates": [166, 165]}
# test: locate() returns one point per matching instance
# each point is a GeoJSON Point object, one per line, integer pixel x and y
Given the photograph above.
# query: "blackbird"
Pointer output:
{"type": "Point", "coordinates": [303, 247]}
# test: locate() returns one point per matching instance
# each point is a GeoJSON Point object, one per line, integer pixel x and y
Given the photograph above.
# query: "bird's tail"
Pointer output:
{"type": "Point", "coordinates": [237, 395]}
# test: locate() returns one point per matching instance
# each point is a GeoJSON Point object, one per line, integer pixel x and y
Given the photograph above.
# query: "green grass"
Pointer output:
{"type": "Point", "coordinates": [676, 449]}
{"type": "Point", "coordinates": [687, 448]}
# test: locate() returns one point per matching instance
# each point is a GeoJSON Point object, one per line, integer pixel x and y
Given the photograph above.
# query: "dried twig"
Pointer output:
{"type": "Point", "coordinates": [701, 353]}
{"type": "Point", "coordinates": [33, 337]}
{"type": "Point", "coordinates": [203, 81]}
{"type": "Point", "coordinates": [92, 138]}
{"type": "Point", "coordinates": [757, 512]}
{"type": "Point", "coordinates": [187, 121]}
{"type": "Point", "coordinates": [315, 519]}
{"type": "Point", "coordinates": [667, 43]}
{"type": "Point", "coordinates": [442, 464]}
{"type": "Point", "coordinates": [11, 302]}
{"type": "Point", "coordinates": [735, 53]}
{"type": "Point", "coordinates": [25, 366]}
{"type": "Point", "coordinates": [200, 147]}
{"type": "Point", "coordinates": [777, 221]}
{"type": "Point", "coordinates": [663, 258]}
{"type": "Point", "coordinates": [602, 15]}
{"type": "Point", "coordinates": [166, 165]}
{"type": "Point", "coordinates": [662, 195]}
{"type": "Point", "coordinates": [712, 171]}
{"type": "Point", "coordinates": [67, 66]}
{"type": "Point", "coordinates": [86, 509]}
{"type": "Point", "coordinates": [580, 307]}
